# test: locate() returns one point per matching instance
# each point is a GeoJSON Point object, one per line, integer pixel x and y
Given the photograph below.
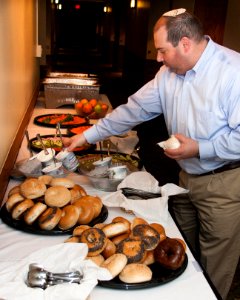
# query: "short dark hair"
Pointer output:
{"type": "Point", "coordinates": [182, 25]}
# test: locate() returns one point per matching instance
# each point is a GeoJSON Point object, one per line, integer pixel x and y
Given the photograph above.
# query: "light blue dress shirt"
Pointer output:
{"type": "Point", "coordinates": [203, 105]}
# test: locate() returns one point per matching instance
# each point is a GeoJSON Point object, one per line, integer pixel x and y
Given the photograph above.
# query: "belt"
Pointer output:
{"type": "Point", "coordinates": [226, 167]}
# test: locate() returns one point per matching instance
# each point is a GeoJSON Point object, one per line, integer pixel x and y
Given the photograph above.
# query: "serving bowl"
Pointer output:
{"type": "Point", "coordinates": [101, 178]}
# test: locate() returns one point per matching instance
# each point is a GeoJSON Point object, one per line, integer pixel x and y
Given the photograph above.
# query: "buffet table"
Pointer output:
{"type": "Point", "coordinates": [16, 244]}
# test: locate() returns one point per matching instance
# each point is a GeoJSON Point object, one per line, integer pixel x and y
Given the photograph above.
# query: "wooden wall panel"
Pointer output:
{"type": "Point", "coordinates": [213, 16]}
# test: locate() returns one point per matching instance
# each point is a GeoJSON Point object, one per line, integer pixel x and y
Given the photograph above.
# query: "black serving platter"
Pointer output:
{"type": "Point", "coordinates": [79, 150]}
{"type": "Point", "coordinates": [35, 229]}
{"type": "Point", "coordinates": [43, 120]}
{"type": "Point", "coordinates": [160, 276]}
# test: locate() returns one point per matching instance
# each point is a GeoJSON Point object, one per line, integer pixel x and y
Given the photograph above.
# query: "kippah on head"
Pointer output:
{"type": "Point", "coordinates": [174, 12]}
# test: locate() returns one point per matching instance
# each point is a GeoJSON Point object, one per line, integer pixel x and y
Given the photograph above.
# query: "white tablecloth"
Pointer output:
{"type": "Point", "coordinates": [15, 244]}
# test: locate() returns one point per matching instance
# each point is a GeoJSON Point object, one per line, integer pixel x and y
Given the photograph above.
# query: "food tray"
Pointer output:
{"type": "Point", "coordinates": [34, 144]}
{"type": "Point", "coordinates": [160, 276]}
{"type": "Point", "coordinates": [21, 225]}
{"type": "Point", "coordinates": [44, 120]}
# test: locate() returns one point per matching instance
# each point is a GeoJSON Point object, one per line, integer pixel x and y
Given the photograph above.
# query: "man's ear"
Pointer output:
{"type": "Point", "coordinates": [186, 44]}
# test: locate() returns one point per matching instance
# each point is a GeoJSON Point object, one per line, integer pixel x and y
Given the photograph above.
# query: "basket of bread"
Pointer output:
{"type": "Point", "coordinates": [48, 205]}
{"type": "Point", "coordinates": [137, 254]}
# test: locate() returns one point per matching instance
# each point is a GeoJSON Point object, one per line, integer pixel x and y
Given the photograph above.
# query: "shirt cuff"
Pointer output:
{"type": "Point", "coordinates": [91, 135]}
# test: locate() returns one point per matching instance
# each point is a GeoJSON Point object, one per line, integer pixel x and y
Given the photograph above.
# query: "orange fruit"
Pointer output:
{"type": "Point", "coordinates": [84, 101]}
{"type": "Point", "coordinates": [87, 108]}
{"type": "Point", "coordinates": [79, 105]}
{"type": "Point", "coordinates": [93, 102]}
{"type": "Point", "coordinates": [104, 107]}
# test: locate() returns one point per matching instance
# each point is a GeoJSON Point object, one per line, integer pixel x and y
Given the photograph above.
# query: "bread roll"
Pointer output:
{"type": "Point", "coordinates": [115, 263]}
{"type": "Point", "coordinates": [57, 196]}
{"type": "Point", "coordinates": [32, 188]}
{"type": "Point", "coordinates": [66, 182]}
{"type": "Point", "coordinates": [135, 273]}
{"type": "Point", "coordinates": [34, 212]}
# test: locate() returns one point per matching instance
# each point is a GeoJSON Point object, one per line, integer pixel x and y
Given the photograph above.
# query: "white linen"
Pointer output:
{"type": "Point", "coordinates": [153, 210]}
{"type": "Point", "coordinates": [59, 258]}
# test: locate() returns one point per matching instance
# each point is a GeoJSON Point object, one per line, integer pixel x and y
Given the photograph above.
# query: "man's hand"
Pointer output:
{"type": "Point", "coordinates": [75, 141]}
{"type": "Point", "coordinates": [188, 148]}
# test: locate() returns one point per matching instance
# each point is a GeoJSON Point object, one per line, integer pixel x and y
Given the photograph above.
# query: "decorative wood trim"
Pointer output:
{"type": "Point", "coordinates": [13, 153]}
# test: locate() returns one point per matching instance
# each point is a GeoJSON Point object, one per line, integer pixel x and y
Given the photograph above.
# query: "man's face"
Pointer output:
{"type": "Point", "coordinates": [172, 57]}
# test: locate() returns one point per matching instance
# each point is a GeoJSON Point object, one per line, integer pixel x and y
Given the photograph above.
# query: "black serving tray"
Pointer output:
{"type": "Point", "coordinates": [160, 276]}
{"type": "Point", "coordinates": [37, 120]}
{"type": "Point", "coordinates": [78, 150]}
{"type": "Point", "coordinates": [21, 225]}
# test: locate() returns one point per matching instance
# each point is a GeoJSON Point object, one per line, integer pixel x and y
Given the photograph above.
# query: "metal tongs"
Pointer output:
{"type": "Point", "coordinates": [58, 132]}
{"type": "Point", "coordinates": [139, 194]}
{"type": "Point", "coordinates": [39, 277]}
{"type": "Point", "coordinates": [42, 144]}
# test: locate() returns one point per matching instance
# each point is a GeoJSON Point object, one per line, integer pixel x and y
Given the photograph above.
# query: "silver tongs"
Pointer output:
{"type": "Point", "coordinates": [58, 132]}
{"type": "Point", "coordinates": [42, 144]}
{"type": "Point", "coordinates": [139, 194]}
{"type": "Point", "coordinates": [39, 277]}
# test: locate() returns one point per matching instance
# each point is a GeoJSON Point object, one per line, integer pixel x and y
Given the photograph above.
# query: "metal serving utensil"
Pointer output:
{"type": "Point", "coordinates": [39, 277]}
{"type": "Point", "coordinates": [139, 194]}
{"type": "Point", "coordinates": [42, 144]}
{"type": "Point", "coordinates": [58, 132]}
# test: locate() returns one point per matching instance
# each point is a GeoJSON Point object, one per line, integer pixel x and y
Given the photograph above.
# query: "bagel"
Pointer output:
{"type": "Point", "coordinates": [46, 179]}
{"type": "Point", "coordinates": [50, 218]}
{"type": "Point", "coordinates": [109, 249]}
{"type": "Point", "coordinates": [86, 211]}
{"type": "Point", "coordinates": [98, 259]}
{"type": "Point", "coordinates": [114, 229]}
{"type": "Point", "coordinates": [134, 250]}
{"type": "Point", "coordinates": [96, 202]}
{"type": "Point", "coordinates": [115, 263]}
{"type": "Point", "coordinates": [136, 221]}
{"type": "Point", "coordinates": [77, 231]}
{"type": "Point", "coordinates": [160, 229]}
{"type": "Point", "coordinates": [32, 188]}
{"type": "Point", "coordinates": [66, 182]}
{"type": "Point", "coordinates": [99, 225]}
{"type": "Point", "coordinates": [72, 239]}
{"type": "Point", "coordinates": [57, 196]}
{"type": "Point", "coordinates": [182, 242]}
{"type": "Point", "coordinates": [21, 208]}
{"type": "Point", "coordinates": [149, 259]}
{"type": "Point", "coordinates": [14, 190]}
{"type": "Point", "coordinates": [95, 240]}
{"type": "Point", "coordinates": [117, 239]}
{"type": "Point", "coordinates": [170, 254]}
{"type": "Point", "coordinates": [69, 218]}
{"type": "Point", "coordinates": [135, 273]}
{"type": "Point", "coordinates": [123, 220]}
{"type": "Point", "coordinates": [147, 234]}
{"type": "Point", "coordinates": [13, 200]}
{"type": "Point", "coordinates": [34, 212]}
{"type": "Point", "coordinates": [77, 192]}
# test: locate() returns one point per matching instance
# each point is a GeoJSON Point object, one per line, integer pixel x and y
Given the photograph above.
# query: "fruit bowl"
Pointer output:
{"type": "Point", "coordinates": [92, 108]}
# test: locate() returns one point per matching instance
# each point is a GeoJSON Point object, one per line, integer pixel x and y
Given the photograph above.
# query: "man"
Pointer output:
{"type": "Point", "coordinates": [198, 91]}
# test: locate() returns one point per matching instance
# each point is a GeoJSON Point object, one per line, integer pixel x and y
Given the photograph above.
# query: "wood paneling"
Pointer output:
{"type": "Point", "coordinates": [213, 16]}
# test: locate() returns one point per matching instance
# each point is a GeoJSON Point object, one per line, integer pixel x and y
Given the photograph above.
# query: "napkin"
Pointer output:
{"type": "Point", "coordinates": [153, 210]}
{"type": "Point", "coordinates": [63, 257]}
